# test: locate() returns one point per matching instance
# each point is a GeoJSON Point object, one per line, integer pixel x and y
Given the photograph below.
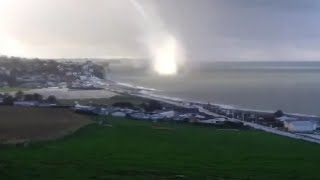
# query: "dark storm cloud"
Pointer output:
{"type": "Point", "coordinates": [207, 29]}
{"type": "Point", "coordinates": [245, 29]}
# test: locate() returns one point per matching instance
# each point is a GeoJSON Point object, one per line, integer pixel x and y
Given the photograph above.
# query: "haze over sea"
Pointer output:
{"type": "Point", "coordinates": [293, 87]}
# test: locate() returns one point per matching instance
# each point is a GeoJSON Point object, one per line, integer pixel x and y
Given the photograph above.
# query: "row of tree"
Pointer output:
{"type": "Point", "coordinates": [149, 106]}
{"type": "Point", "coordinates": [8, 99]}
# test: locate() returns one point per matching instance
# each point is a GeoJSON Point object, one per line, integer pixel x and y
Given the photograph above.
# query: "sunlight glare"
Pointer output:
{"type": "Point", "coordinates": [165, 60]}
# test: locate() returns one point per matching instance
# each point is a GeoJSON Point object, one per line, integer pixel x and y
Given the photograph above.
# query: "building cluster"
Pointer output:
{"type": "Point", "coordinates": [167, 113]}
{"type": "Point", "coordinates": [277, 120]}
{"type": "Point", "coordinates": [40, 74]}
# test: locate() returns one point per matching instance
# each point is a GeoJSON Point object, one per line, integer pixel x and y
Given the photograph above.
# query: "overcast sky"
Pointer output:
{"type": "Point", "coordinates": [212, 30]}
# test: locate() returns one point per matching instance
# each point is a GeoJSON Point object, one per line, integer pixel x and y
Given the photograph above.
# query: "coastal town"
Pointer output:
{"type": "Point", "coordinates": [35, 73]}
{"type": "Point", "coordinates": [159, 90]}
{"type": "Point", "coordinates": [74, 76]}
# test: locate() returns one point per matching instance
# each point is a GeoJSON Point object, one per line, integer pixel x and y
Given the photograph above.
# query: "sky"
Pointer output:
{"type": "Point", "coordinates": [206, 30]}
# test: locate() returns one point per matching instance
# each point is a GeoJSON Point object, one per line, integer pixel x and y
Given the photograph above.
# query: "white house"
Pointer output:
{"type": "Point", "coordinates": [128, 111]}
{"type": "Point", "coordinates": [82, 78]}
{"type": "Point", "coordinates": [139, 116]}
{"type": "Point", "coordinates": [200, 116]}
{"type": "Point", "coordinates": [168, 114]}
{"type": "Point", "coordinates": [79, 107]}
{"type": "Point", "coordinates": [302, 126]}
{"type": "Point", "coordinates": [118, 114]}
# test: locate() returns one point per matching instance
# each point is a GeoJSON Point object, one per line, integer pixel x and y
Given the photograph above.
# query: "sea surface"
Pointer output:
{"type": "Point", "coordinates": [293, 87]}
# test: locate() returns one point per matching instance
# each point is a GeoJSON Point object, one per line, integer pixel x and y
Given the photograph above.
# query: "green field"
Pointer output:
{"type": "Point", "coordinates": [135, 150]}
{"type": "Point", "coordinates": [109, 101]}
{"type": "Point", "coordinates": [12, 89]}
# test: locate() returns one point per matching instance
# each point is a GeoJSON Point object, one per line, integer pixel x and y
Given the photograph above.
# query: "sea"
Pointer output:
{"type": "Point", "coordinates": [293, 87]}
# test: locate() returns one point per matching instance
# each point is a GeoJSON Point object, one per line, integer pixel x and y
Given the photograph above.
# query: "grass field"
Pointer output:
{"type": "Point", "coordinates": [134, 150]}
{"type": "Point", "coordinates": [109, 101]}
{"type": "Point", "coordinates": [21, 123]}
{"type": "Point", "coordinates": [11, 89]}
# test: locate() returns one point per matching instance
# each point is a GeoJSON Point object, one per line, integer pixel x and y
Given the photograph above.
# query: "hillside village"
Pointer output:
{"type": "Point", "coordinates": [36, 73]}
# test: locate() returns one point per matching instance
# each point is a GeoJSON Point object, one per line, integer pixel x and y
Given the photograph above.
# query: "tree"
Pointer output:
{"type": "Point", "coordinates": [37, 97]}
{"type": "Point", "coordinates": [8, 100]}
{"type": "Point", "coordinates": [51, 67]}
{"type": "Point", "coordinates": [152, 105]}
{"type": "Point", "coordinates": [52, 99]}
{"type": "Point", "coordinates": [12, 77]}
{"type": "Point", "coordinates": [19, 95]}
{"type": "Point", "coordinates": [99, 71]}
{"type": "Point", "coordinates": [123, 105]}
{"type": "Point", "coordinates": [278, 113]}
{"type": "Point", "coordinates": [28, 97]}
{"type": "Point", "coordinates": [155, 105]}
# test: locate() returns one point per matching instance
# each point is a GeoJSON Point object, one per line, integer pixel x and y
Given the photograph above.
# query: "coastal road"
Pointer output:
{"type": "Point", "coordinates": [253, 125]}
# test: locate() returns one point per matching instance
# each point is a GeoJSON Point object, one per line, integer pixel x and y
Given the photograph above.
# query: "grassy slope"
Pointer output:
{"type": "Point", "coordinates": [119, 98]}
{"type": "Point", "coordinates": [133, 150]}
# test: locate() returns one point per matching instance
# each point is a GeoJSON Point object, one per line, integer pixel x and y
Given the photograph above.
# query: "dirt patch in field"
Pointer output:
{"type": "Point", "coordinates": [21, 124]}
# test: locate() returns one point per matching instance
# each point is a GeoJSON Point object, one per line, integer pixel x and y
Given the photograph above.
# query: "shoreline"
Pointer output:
{"type": "Point", "coordinates": [313, 138]}
{"type": "Point", "coordinates": [148, 91]}
{"type": "Point", "coordinates": [229, 107]}
{"type": "Point", "coordinates": [113, 88]}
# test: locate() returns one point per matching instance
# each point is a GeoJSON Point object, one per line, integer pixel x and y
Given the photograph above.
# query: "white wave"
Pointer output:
{"type": "Point", "coordinates": [136, 87]}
